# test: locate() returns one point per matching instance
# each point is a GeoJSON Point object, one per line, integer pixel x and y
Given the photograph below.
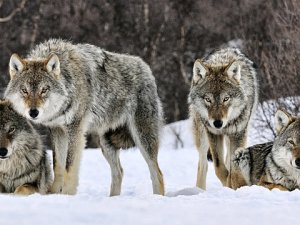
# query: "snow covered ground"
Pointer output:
{"type": "Point", "coordinates": [184, 203]}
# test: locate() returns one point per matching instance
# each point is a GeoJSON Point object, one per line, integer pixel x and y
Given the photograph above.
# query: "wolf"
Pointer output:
{"type": "Point", "coordinates": [273, 164]}
{"type": "Point", "coordinates": [78, 88]}
{"type": "Point", "coordinates": [222, 99]}
{"type": "Point", "coordinates": [24, 165]}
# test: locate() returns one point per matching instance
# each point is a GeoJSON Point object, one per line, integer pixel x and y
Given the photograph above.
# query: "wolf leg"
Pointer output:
{"type": "Point", "coordinates": [200, 139]}
{"type": "Point", "coordinates": [59, 141]}
{"type": "Point", "coordinates": [26, 189]}
{"type": "Point", "coordinates": [145, 132]}
{"type": "Point", "coordinates": [76, 144]}
{"type": "Point", "coordinates": [236, 141]}
{"type": "Point", "coordinates": [216, 147]}
{"type": "Point", "coordinates": [271, 186]}
{"type": "Point", "coordinates": [240, 170]}
{"type": "Point", "coordinates": [111, 154]}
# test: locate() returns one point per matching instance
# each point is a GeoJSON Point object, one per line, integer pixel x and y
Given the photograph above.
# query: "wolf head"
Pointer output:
{"type": "Point", "coordinates": [35, 87]}
{"type": "Point", "coordinates": [216, 92]}
{"type": "Point", "coordinates": [15, 131]}
{"type": "Point", "coordinates": [287, 143]}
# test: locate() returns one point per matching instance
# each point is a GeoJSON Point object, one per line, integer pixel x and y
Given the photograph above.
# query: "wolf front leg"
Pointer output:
{"type": "Point", "coordinates": [201, 142]}
{"type": "Point", "coordinates": [76, 144]}
{"type": "Point", "coordinates": [216, 148]}
{"type": "Point", "coordinates": [238, 140]}
{"type": "Point", "coordinates": [59, 141]}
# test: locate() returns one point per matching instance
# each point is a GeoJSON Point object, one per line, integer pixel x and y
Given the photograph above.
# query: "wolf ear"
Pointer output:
{"type": "Point", "coordinates": [53, 65]}
{"type": "Point", "coordinates": [199, 70]}
{"type": "Point", "coordinates": [282, 119]}
{"type": "Point", "coordinates": [234, 71]}
{"type": "Point", "coordinates": [16, 65]}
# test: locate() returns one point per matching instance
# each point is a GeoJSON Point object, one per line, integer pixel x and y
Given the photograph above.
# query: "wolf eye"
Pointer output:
{"type": "Point", "coordinates": [45, 90]}
{"type": "Point", "coordinates": [207, 99]}
{"type": "Point", "coordinates": [291, 142]}
{"type": "Point", "coordinates": [11, 130]}
{"type": "Point", "coordinates": [24, 91]}
{"type": "Point", "coordinates": [225, 99]}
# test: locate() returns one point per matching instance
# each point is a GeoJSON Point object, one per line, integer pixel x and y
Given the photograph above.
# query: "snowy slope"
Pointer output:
{"type": "Point", "coordinates": [137, 205]}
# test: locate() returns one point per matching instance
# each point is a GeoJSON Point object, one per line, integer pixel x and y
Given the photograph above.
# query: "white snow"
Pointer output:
{"type": "Point", "coordinates": [183, 203]}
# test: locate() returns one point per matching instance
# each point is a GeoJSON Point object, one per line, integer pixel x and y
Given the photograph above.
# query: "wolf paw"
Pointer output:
{"type": "Point", "coordinates": [68, 190]}
{"type": "Point", "coordinates": [241, 157]}
{"type": "Point", "coordinates": [56, 188]}
{"type": "Point", "coordinates": [25, 190]}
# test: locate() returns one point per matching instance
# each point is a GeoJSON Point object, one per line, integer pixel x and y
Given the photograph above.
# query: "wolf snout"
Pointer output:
{"type": "Point", "coordinates": [3, 152]}
{"type": "Point", "coordinates": [33, 113]}
{"type": "Point", "coordinates": [218, 123]}
{"type": "Point", "coordinates": [297, 162]}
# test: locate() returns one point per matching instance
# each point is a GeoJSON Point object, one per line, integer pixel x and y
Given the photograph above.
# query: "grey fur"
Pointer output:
{"type": "Point", "coordinates": [96, 91]}
{"type": "Point", "coordinates": [272, 164]}
{"type": "Point", "coordinates": [26, 163]}
{"type": "Point", "coordinates": [224, 88]}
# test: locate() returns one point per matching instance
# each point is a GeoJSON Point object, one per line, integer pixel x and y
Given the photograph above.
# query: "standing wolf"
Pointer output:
{"type": "Point", "coordinates": [272, 165]}
{"type": "Point", "coordinates": [24, 166]}
{"type": "Point", "coordinates": [74, 88]}
{"type": "Point", "coordinates": [223, 96]}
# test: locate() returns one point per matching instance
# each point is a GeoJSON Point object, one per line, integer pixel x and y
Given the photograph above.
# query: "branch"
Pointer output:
{"type": "Point", "coordinates": [11, 15]}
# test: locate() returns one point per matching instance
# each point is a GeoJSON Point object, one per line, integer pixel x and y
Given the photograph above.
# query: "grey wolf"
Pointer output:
{"type": "Point", "coordinates": [78, 88]}
{"type": "Point", "coordinates": [274, 164]}
{"type": "Point", "coordinates": [24, 166]}
{"type": "Point", "coordinates": [222, 99]}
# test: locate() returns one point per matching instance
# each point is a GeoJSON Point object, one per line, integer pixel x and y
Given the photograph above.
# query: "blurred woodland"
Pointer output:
{"type": "Point", "coordinates": [168, 34]}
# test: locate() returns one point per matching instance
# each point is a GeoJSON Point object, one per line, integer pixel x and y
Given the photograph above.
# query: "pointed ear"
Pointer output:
{"type": "Point", "coordinates": [282, 119]}
{"type": "Point", "coordinates": [234, 71]}
{"type": "Point", "coordinates": [199, 70]}
{"type": "Point", "coordinates": [53, 65]}
{"type": "Point", "coordinates": [16, 65]}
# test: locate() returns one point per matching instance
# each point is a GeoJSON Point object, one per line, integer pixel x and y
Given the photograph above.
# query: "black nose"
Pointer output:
{"type": "Point", "coordinates": [33, 113]}
{"type": "Point", "coordinates": [297, 162]}
{"type": "Point", "coordinates": [3, 152]}
{"type": "Point", "coordinates": [218, 123]}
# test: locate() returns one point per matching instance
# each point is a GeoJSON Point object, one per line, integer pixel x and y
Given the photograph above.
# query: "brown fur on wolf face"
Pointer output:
{"type": "Point", "coordinates": [222, 99]}
{"type": "Point", "coordinates": [34, 79]}
{"type": "Point", "coordinates": [275, 164]}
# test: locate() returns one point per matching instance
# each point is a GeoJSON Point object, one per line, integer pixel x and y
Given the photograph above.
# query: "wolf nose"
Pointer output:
{"type": "Point", "coordinates": [218, 123]}
{"type": "Point", "coordinates": [3, 152]}
{"type": "Point", "coordinates": [33, 113]}
{"type": "Point", "coordinates": [297, 162]}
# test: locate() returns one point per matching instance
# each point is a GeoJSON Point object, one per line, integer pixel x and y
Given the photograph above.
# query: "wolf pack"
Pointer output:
{"type": "Point", "coordinates": [77, 89]}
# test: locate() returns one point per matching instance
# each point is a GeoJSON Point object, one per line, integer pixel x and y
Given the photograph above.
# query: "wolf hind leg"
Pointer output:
{"type": "Point", "coordinates": [145, 132]}
{"type": "Point", "coordinates": [111, 154]}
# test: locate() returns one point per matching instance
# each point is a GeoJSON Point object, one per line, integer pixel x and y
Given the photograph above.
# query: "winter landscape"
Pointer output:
{"type": "Point", "coordinates": [169, 35]}
{"type": "Point", "coordinates": [183, 203]}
